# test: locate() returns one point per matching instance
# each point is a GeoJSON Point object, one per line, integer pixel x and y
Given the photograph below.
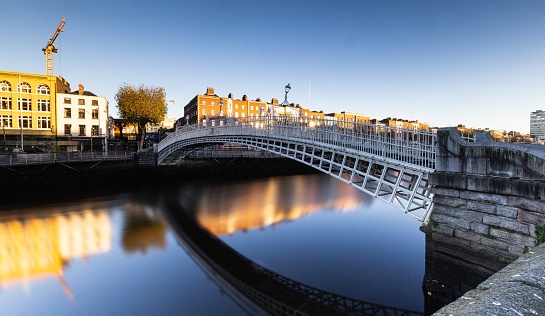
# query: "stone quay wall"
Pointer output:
{"type": "Point", "coordinates": [489, 197]}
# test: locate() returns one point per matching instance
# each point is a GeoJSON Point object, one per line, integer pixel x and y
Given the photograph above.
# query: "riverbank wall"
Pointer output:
{"type": "Point", "coordinates": [59, 180]}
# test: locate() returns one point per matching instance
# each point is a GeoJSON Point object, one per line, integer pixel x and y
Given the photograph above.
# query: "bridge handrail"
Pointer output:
{"type": "Point", "coordinates": [63, 157]}
{"type": "Point", "coordinates": [410, 146]}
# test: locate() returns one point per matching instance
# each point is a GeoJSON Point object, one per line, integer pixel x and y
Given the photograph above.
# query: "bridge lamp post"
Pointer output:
{"type": "Point", "coordinates": [287, 89]}
{"type": "Point", "coordinates": [221, 105]}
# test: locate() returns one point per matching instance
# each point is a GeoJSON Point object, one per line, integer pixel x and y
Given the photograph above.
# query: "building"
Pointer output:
{"type": "Point", "coordinates": [537, 125]}
{"type": "Point", "coordinates": [82, 120]}
{"type": "Point", "coordinates": [28, 107]}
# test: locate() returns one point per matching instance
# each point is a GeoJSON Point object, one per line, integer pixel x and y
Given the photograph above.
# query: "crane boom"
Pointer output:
{"type": "Point", "coordinates": [50, 48]}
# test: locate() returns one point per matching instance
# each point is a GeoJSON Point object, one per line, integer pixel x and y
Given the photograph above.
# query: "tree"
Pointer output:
{"type": "Point", "coordinates": [141, 105]}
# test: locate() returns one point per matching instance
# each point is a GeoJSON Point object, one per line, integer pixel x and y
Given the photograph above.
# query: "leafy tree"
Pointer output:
{"type": "Point", "coordinates": [141, 105]}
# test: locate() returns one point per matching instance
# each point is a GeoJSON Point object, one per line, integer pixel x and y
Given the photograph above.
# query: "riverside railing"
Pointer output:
{"type": "Point", "coordinates": [394, 144]}
{"type": "Point", "coordinates": [50, 158]}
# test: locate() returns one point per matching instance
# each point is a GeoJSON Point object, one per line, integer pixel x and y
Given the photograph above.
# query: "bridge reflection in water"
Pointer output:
{"type": "Point", "coordinates": [255, 288]}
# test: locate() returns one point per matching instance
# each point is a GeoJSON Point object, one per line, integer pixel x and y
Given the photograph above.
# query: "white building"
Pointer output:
{"type": "Point", "coordinates": [537, 125]}
{"type": "Point", "coordinates": [82, 121]}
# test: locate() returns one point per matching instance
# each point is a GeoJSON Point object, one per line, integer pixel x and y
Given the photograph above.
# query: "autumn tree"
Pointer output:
{"type": "Point", "coordinates": [141, 105]}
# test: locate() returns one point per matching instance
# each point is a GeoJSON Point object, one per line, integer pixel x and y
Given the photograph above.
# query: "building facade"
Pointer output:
{"type": "Point", "coordinates": [537, 125]}
{"type": "Point", "coordinates": [27, 108]}
{"type": "Point", "coordinates": [82, 120]}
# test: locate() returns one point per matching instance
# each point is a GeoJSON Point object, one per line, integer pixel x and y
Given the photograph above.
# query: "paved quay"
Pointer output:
{"type": "Point", "coordinates": [517, 289]}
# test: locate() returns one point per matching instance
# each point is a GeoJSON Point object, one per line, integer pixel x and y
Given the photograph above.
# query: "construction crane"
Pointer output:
{"type": "Point", "coordinates": [50, 48]}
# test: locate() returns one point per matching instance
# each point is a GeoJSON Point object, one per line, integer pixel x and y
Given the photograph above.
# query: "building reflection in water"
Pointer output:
{"type": "Point", "coordinates": [40, 243]}
{"type": "Point", "coordinates": [225, 209]}
{"type": "Point", "coordinates": [142, 228]}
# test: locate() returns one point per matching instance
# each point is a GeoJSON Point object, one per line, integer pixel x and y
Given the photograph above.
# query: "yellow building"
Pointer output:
{"type": "Point", "coordinates": [28, 102]}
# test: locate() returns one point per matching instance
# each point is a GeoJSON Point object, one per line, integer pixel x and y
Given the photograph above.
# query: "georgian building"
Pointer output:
{"type": "Point", "coordinates": [82, 121]}
{"type": "Point", "coordinates": [27, 106]}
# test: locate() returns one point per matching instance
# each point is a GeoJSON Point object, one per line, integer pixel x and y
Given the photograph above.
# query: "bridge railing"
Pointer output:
{"type": "Point", "coordinates": [411, 146]}
{"type": "Point", "coordinates": [66, 157]}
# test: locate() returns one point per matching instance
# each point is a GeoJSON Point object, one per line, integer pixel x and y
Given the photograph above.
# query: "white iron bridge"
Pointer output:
{"type": "Point", "coordinates": [389, 163]}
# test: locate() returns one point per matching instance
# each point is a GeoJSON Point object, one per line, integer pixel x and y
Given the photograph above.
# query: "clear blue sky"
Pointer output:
{"type": "Point", "coordinates": [478, 63]}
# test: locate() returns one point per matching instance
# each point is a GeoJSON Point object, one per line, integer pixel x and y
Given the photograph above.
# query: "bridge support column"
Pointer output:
{"type": "Point", "coordinates": [488, 196]}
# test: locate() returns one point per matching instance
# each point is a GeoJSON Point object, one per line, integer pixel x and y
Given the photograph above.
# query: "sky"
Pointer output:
{"type": "Point", "coordinates": [442, 62]}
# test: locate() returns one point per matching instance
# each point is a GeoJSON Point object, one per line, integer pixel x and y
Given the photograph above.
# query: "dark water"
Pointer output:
{"type": "Point", "coordinates": [120, 254]}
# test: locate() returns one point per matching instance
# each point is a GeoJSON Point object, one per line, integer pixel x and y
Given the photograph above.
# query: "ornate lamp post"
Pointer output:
{"type": "Point", "coordinates": [221, 105]}
{"type": "Point", "coordinates": [287, 88]}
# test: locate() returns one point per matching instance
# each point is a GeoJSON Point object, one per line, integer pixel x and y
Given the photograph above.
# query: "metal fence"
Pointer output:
{"type": "Point", "coordinates": [410, 146]}
{"type": "Point", "coordinates": [50, 158]}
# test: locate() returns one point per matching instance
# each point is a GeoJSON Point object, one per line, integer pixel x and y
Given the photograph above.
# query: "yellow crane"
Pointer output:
{"type": "Point", "coordinates": [50, 48]}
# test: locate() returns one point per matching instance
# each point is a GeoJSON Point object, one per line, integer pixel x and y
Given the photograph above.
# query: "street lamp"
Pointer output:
{"type": "Point", "coordinates": [287, 88]}
{"type": "Point", "coordinates": [221, 105]}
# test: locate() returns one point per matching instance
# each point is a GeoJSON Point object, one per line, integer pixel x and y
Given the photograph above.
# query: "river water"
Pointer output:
{"type": "Point", "coordinates": [120, 254]}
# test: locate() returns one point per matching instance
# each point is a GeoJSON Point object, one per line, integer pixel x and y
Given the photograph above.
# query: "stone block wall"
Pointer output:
{"type": "Point", "coordinates": [488, 197]}
{"type": "Point", "coordinates": [474, 216]}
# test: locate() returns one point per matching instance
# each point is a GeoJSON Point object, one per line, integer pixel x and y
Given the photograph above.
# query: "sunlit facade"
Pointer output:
{"type": "Point", "coordinates": [27, 102]}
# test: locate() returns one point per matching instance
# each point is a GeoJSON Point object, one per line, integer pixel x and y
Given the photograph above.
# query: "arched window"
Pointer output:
{"type": "Point", "coordinates": [42, 89]}
{"type": "Point", "coordinates": [24, 87]}
{"type": "Point", "coordinates": [5, 86]}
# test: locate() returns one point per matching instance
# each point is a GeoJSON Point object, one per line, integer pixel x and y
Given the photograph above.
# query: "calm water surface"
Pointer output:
{"type": "Point", "coordinates": [118, 254]}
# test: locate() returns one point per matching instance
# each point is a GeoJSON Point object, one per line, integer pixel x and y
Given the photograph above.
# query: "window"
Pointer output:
{"type": "Point", "coordinates": [43, 105]}
{"type": "Point", "coordinates": [44, 122]}
{"type": "Point", "coordinates": [67, 112]}
{"type": "Point", "coordinates": [5, 120]}
{"type": "Point", "coordinates": [67, 129]}
{"type": "Point", "coordinates": [213, 103]}
{"type": "Point", "coordinates": [203, 111]}
{"type": "Point", "coordinates": [213, 112]}
{"type": "Point", "coordinates": [94, 130]}
{"type": "Point", "coordinates": [27, 122]}
{"type": "Point", "coordinates": [81, 113]}
{"type": "Point", "coordinates": [203, 102]}
{"type": "Point", "coordinates": [95, 114]}
{"type": "Point", "coordinates": [236, 106]}
{"type": "Point", "coordinates": [42, 89]}
{"type": "Point", "coordinates": [5, 103]}
{"type": "Point", "coordinates": [5, 86]}
{"type": "Point", "coordinates": [67, 101]}
{"type": "Point", "coordinates": [24, 87]}
{"type": "Point", "coordinates": [243, 115]}
{"type": "Point", "coordinates": [26, 104]}
{"type": "Point", "coordinates": [82, 130]}
{"type": "Point", "coordinates": [252, 108]}
{"type": "Point", "coordinates": [94, 102]}
{"type": "Point", "coordinates": [81, 101]}
{"type": "Point", "coordinates": [236, 114]}
{"type": "Point", "coordinates": [243, 106]}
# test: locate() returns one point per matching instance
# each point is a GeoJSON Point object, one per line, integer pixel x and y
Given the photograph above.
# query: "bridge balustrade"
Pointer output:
{"type": "Point", "coordinates": [412, 147]}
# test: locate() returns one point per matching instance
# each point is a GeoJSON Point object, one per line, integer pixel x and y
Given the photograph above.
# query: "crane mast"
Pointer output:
{"type": "Point", "coordinates": [50, 48]}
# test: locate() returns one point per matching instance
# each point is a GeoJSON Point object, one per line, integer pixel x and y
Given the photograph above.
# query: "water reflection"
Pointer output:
{"type": "Point", "coordinates": [143, 230]}
{"type": "Point", "coordinates": [257, 289]}
{"type": "Point", "coordinates": [226, 209]}
{"type": "Point", "coordinates": [451, 272]}
{"type": "Point", "coordinates": [36, 244]}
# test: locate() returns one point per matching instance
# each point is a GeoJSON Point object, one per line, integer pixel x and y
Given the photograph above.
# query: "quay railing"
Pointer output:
{"type": "Point", "coordinates": [60, 157]}
{"type": "Point", "coordinates": [413, 147]}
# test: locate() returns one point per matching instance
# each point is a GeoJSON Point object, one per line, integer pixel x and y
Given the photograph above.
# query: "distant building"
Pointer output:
{"type": "Point", "coordinates": [537, 125]}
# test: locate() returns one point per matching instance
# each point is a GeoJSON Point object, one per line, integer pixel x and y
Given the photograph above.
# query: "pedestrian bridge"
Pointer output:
{"type": "Point", "coordinates": [389, 163]}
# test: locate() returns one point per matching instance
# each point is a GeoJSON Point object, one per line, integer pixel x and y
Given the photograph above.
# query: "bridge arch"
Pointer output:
{"type": "Point", "coordinates": [391, 164]}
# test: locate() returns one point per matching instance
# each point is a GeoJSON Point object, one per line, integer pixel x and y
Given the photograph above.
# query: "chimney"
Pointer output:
{"type": "Point", "coordinates": [274, 101]}
{"type": "Point", "coordinates": [244, 98]}
{"type": "Point", "coordinates": [209, 91]}
{"type": "Point", "coordinates": [80, 89]}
